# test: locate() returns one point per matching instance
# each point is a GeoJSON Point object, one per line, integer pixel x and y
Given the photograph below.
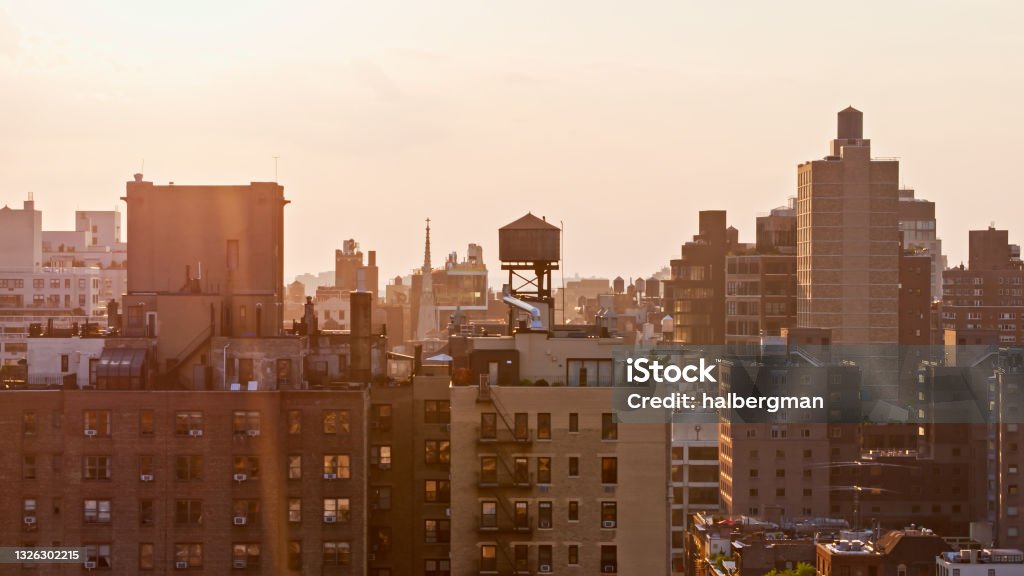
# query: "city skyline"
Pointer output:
{"type": "Point", "coordinates": [563, 110]}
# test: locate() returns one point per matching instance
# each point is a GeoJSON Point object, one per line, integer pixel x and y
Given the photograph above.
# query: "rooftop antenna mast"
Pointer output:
{"type": "Point", "coordinates": [275, 168]}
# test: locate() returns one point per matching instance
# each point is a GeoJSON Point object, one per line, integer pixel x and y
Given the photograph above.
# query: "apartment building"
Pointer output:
{"type": "Point", "coordinates": [177, 482]}
{"type": "Point", "coordinates": [54, 280]}
{"type": "Point", "coordinates": [848, 239]}
{"type": "Point", "coordinates": [983, 303]}
{"type": "Point", "coordinates": [695, 294]}
{"type": "Point", "coordinates": [548, 482]}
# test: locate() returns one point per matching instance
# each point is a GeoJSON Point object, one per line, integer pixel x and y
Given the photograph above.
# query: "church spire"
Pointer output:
{"type": "Point", "coordinates": [425, 320]}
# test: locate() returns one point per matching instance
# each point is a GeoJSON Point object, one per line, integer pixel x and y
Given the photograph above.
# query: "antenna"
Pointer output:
{"type": "Point", "coordinates": [142, 169]}
{"type": "Point", "coordinates": [275, 168]}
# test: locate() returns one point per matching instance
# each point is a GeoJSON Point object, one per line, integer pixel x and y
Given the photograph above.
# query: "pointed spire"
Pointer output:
{"type": "Point", "coordinates": [426, 319]}
{"type": "Point", "coordinates": [426, 251]}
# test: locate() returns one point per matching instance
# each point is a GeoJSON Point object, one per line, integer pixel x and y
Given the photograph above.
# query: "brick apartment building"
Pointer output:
{"type": "Point", "coordinates": [162, 482]}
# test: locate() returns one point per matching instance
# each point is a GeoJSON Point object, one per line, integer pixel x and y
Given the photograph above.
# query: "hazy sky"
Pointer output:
{"type": "Point", "coordinates": [620, 119]}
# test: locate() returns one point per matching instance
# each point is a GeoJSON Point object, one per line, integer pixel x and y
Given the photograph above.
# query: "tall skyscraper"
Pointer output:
{"type": "Point", "coordinates": [848, 239]}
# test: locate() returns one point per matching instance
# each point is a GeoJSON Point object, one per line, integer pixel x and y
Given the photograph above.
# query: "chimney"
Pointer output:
{"type": "Point", "coordinates": [359, 303]}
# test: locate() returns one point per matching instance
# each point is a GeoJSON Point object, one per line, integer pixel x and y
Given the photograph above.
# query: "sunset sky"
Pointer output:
{"type": "Point", "coordinates": [620, 119]}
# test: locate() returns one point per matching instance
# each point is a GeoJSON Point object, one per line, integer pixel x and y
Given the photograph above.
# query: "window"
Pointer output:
{"type": "Point", "coordinates": [437, 452]}
{"type": "Point", "coordinates": [146, 513]}
{"type": "Point", "coordinates": [245, 423]}
{"type": "Point", "coordinates": [488, 558]}
{"type": "Point", "coordinates": [295, 466]}
{"type": "Point", "coordinates": [246, 508]}
{"type": "Point", "coordinates": [544, 515]}
{"type": "Point", "coordinates": [188, 467]}
{"type": "Point", "coordinates": [188, 512]}
{"type": "Point", "coordinates": [100, 554]}
{"type": "Point", "coordinates": [488, 426]}
{"type": "Point", "coordinates": [521, 514]}
{"type": "Point", "coordinates": [436, 531]}
{"type": "Point", "coordinates": [609, 559]}
{"type": "Point", "coordinates": [188, 423]}
{"type": "Point", "coordinates": [544, 557]}
{"type": "Point", "coordinates": [96, 467]}
{"type": "Point", "coordinates": [437, 411]}
{"type": "Point", "coordinates": [609, 470]}
{"type": "Point", "coordinates": [295, 510]}
{"type": "Point", "coordinates": [609, 427]}
{"type": "Point", "coordinates": [28, 423]}
{"type": "Point", "coordinates": [380, 456]}
{"type": "Point", "coordinates": [380, 416]}
{"type": "Point", "coordinates": [29, 508]}
{"type": "Point", "coordinates": [544, 426]}
{"type": "Point", "coordinates": [609, 514]}
{"type": "Point", "coordinates": [247, 553]}
{"type": "Point", "coordinates": [283, 367]}
{"type": "Point", "coordinates": [521, 471]}
{"type": "Point", "coordinates": [190, 554]}
{"type": "Point", "coordinates": [97, 422]}
{"type": "Point", "coordinates": [521, 554]}
{"type": "Point", "coordinates": [294, 422]}
{"type": "Point", "coordinates": [380, 538]}
{"type": "Point", "coordinates": [96, 511]}
{"type": "Point", "coordinates": [146, 424]}
{"type": "Point", "coordinates": [488, 470]}
{"type": "Point", "coordinates": [335, 422]}
{"type": "Point", "coordinates": [247, 465]}
{"type": "Point", "coordinates": [574, 422]}
{"type": "Point", "coordinates": [380, 497]}
{"type": "Point", "coordinates": [488, 514]}
{"type": "Point", "coordinates": [522, 426]}
{"type": "Point", "coordinates": [589, 372]}
{"type": "Point", "coordinates": [440, 567]}
{"type": "Point", "coordinates": [437, 491]}
{"type": "Point", "coordinates": [574, 511]}
{"type": "Point", "coordinates": [574, 555]}
{"type": "Point", "coordinates": [336, 510]}
{"type": "Point", "coordinates": [544, 470]}
{"type": "Point", "coordinates": [337, 466]}
{"type": "Point", "coordinates": [574, 466]}
{"type": "Point", "coordinates": [295, 555]}
{"type": "Point", "coordinates": [146, 556]}
{"type": "Point", "coordinates": [29, 466]}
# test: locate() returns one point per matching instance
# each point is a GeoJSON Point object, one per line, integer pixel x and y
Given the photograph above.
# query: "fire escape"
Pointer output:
{"type": "Point", "coordinates": [505, 482]}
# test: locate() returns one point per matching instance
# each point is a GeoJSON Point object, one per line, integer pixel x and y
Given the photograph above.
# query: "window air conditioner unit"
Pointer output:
{"type": "Point", "coordinates": [181, 565]}
{"type": "Point", "coordinates": [608, 569]}
{"type": "Point", "coordinates": [330, 519]}
{"type": "Point", "coordinates": [252, 433]}
{"type": "Point", "coordinates": [545, 524]}
{"type": "Point", "coordinates": [240, 520]}
{"type": "Point", "coordinates": [385, 466]}
{"type": "Point", "coordinates": [545, 568]}
{"type": "Point", "coordinates": [447, 427]}
{"type": "Point", "coordinates": [90, 565]}
{"type": "Point", "coordinates": [328, 476]}
{"type": "Point", "coordinates": [195, 433]}
{"type": "Point", "coordinates": [146, 477]}
{"type": "Point", "coordinates": [90, 432]}
{"type": "Point", "coordinates": [30, 520]}
{"type": "Point", "coordinates": [608, 524]}
{"type": "Point", "coordinates": [448, 512]}
{"type": "Point", "coordinates": [238, 564]}
{"type": "Point", "coordinates": [240, 477]}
